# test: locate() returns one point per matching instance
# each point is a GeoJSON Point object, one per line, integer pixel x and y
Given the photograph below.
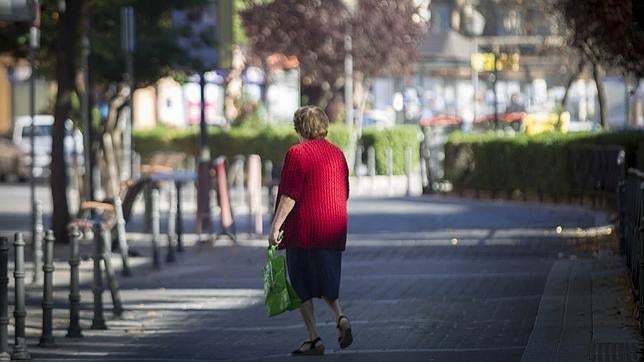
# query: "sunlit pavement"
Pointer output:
{"type": "Point", "coordinates": [424, 279]}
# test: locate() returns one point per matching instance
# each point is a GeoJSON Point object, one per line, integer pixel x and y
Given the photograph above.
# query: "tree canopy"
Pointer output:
{"type": "Point", "coordinates": [603, 31]}
{"type": "Point", "coordinates": [157, 50]}
{"type": "Point", "coordinates": [385, 35]}
{"type": "Point", "coordinates": [62, 24]}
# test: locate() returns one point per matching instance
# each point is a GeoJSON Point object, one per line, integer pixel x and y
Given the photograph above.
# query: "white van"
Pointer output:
{"type": "Point", "coordinates": [43, 128]}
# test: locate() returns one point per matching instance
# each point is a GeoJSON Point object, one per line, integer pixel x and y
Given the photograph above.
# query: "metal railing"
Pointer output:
{"type": "Point", "coordinates": [631, 225]}
{"type": "Point", "coordinates": [596, 173]}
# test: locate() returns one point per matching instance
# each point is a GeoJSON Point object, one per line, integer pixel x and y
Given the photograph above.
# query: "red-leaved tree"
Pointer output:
{"type": "Point", "coordinates": [385, 35]}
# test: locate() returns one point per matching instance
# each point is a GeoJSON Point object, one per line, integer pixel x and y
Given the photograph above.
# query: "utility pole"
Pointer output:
{"type": "Point", "coordinates": [204, 151]}
{"type": "Point", "coordinates": [86, 107]}
{"type": "Point", "coordinates": [128, 44]}
{"type": "Point", "coordinates": [34, 44]}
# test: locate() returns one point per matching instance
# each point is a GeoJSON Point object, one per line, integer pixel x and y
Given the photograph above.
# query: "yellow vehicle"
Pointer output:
{"type": "Point", "coordinates": [542, 122]}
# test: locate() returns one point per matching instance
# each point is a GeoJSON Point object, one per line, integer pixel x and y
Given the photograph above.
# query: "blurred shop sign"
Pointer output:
{"type": "Point", "coordinates": [490, 62]}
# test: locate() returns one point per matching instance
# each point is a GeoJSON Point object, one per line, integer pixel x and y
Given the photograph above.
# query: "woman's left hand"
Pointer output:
{"type": "Point", "coordinates": [275, 237]}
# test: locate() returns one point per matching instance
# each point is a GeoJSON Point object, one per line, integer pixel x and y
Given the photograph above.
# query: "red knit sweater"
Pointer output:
{"type": "Point", "coordinates": [316, 176]}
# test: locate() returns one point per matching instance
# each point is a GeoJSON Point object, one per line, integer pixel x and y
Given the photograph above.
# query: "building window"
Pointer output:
{"type": "Point", "coordinates": [441, 18]}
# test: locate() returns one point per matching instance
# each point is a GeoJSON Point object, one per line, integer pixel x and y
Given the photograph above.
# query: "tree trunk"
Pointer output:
{"type": "Point", "coordinates": [67, 28]}
{"type": "Point", "coordinates": [233, 93]}
{"type": "Point", "coordinates": [571, 80]}
{"type": "Point", "coordinates": [601, 96]}
{"type": "Point", "coordinates": [631, 101]}
{"type": "Point", "coordinates": [117, 105]}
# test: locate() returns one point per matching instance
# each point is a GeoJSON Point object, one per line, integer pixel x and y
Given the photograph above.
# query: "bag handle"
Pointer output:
{"type": "Point", "coordinates": [270, 251]}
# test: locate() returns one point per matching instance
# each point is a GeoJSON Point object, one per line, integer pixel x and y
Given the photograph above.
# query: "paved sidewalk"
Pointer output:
{"type": "Point", "coordinates": [497, 282]}
{"type": "Point", "coordinates": [586, 312]}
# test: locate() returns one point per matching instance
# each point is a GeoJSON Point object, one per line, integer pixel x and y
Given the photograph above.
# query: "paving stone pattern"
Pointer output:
{"type": "Point", "coordinates": [424, 296]}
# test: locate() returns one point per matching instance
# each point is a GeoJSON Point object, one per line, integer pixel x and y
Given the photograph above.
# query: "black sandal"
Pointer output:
{"type": "Point", "coordinates": [316, 348]}
{"type": "Point", "coordinates": [346, 337]}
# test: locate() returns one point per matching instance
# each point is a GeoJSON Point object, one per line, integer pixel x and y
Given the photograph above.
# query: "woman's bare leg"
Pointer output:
{"type": "Point", "coordinates": [334, 304]}
{"type": "Point", "coordinates": [308, 315]}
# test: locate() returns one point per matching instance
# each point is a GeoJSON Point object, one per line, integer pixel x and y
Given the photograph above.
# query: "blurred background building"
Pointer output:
{"type": "Point", "coordinates": [533, 62]}
{"type": "Point", "coordinates": [533, 70]}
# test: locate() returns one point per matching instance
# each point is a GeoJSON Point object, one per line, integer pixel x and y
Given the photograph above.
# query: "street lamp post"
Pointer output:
{"type": "Point", "coordinates": [350, 6]}
{"type": "Point", "coordinates": [34, 44]}
{"type": "Point", "coordinates": [475, 25]}
{"type": "Point", "coordinates": [86, 118]}
{"type": "Point", "coordinates": [348, 80]}
{"type": "Point", "coordinates": [128, 44]}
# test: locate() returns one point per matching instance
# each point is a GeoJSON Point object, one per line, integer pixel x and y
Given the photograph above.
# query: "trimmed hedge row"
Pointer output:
{"type": "Point", "coordinates": [271, 143]}
{"type": "Point", "coordinates": [527, 163]}
{"type": "Point", "coordinates": [398, 139]}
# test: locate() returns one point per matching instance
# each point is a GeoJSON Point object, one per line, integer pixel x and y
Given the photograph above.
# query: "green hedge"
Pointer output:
{"type": "Point", "coordinates": [271, 143]}
{"type": "Point", "coordinates": [398, 139]}
{"type": "Point", "coordinates": [527, 163]}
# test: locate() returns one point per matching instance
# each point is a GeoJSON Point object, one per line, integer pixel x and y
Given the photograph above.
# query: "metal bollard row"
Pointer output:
{"type": "Point", "coordinates": [45, 262]}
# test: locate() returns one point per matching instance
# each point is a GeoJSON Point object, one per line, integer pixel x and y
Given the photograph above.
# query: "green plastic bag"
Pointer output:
{"type": "Point", "coordinates": [279, 295]}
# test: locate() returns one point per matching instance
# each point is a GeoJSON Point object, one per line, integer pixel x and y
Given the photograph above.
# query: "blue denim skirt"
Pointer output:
{"type": "Point", "coordinates": [314, 273]}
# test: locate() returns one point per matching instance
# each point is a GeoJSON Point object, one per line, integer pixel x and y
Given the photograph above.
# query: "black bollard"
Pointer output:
{"type": "Point", "coordinates": [74, 330]}
{"type": "Point", "coordinates": [179, 222]}
{"type": "Point", "coordinates": [156, 220]}
{"type": "Point", "coordinates": [47, 338]}
{"type": "Point", "coordinates": [147, 199]}
{"type": "Point", "coordinates": [109, 273]}
{"type": "Point", "coordinates": [20, 346]}
{"type": "Point", "coordinates": [98, 321]}
{"type": "Point", "coordinates": [4, 299]}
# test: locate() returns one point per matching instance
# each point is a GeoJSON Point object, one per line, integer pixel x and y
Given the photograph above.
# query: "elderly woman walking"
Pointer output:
{"type": "Point", "coordinates": [310, 222]}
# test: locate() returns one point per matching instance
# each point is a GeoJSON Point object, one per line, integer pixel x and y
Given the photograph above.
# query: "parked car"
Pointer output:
{"type": "Point", "coordinates": [378, 118]}
{"type": "Point", "coordinates": [12, 164]}
{"type": "Point", "coordinates": [43, 130]}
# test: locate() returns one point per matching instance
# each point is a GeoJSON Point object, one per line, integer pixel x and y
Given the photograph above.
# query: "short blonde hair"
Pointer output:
{"type": "Point", "coordinates": [311, 122]}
